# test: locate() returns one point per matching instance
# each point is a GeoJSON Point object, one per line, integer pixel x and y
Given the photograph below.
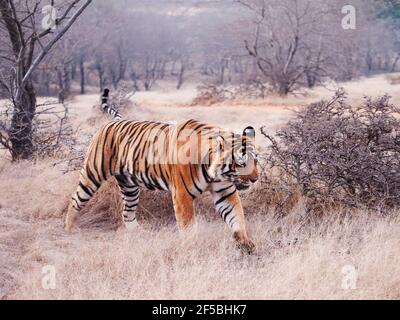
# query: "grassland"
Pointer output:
{"type": "Point", "coordinates": [298, 256]}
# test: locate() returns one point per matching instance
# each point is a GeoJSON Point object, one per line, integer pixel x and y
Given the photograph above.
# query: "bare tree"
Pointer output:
{"type": "Point", "coordinates": [288, 44]}
{"type": "Point", "coordinates": [284, 33]}
{"type": "Point", "coordinates": [29, 47]}
{"type": "Point", "coordinates": [117, 63]}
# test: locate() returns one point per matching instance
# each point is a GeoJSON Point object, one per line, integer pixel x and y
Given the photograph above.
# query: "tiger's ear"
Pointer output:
{"type": "Point", "coordinates": [248, 134]}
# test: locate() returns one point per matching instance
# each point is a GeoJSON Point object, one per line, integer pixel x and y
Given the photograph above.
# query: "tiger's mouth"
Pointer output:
{"type": "Point", "coordinates": [242, 186]}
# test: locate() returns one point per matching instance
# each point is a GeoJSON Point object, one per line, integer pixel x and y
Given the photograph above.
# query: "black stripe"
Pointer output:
{"type": "Point", "coordinates": [224, 197]}
{"type": "Point", "coordinates": [130, 193]}
{"type": "Point", "coordinates": [81, 199]}
{"type": "Point", "coordinates": [193, 179]}
{"type": "Point", "coordinates": [145, 147]}
{"type": "Point", "coordinates": [230, 220]}
{"type": "Point", "coordinates": [138, 140]}
{"type": "Point", "coordinates": [85, 189]}
{"type": "Point", "coordinates": [198, 127]}
{"type": "Point", "coordinates": [131, 206]}
{"type": "Point", "coordinates": [226, 212]}
{"type": "Point", "coordinates": [205, 173]}
{"type": "Point", "coordinates": [77, 204]}
{"type": "Point", "coordinates": [92, 178]}
{"type": "Point", "coordinates": [103, 169]}
{"type": "Point", "coordinates": [184, 126]}
{"type": "Point", "coordinates": [127, 220]}
{"type": "Point", "coordinates": [184, 184]}
{"type": "Point", "coordinates": [162, 176]}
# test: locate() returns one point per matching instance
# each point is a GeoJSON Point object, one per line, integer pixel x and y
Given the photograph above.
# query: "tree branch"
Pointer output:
{"type": "Point", "coordinates": [48, 47]}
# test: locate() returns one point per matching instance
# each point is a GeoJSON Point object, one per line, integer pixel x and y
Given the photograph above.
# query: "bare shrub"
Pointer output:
{"type": "Point", "coordinates": [209, 95]}
{"type": "Point", "coordinates": [52, 133]}
{"type": "Point", "coordinates": [121, 98]}
{"type": "Point", "coordinates": [271, 196]}
{"type": "Point", "coordinates": [252, 90]}
{"type": "Point", "coordinates": [393, 79]}
{"type": "Point", "coordinates": [337, 154]}
{"type": "Point", "coordinates": [75, 155]}
{"type": "Point", "coordinates": [212, 94]}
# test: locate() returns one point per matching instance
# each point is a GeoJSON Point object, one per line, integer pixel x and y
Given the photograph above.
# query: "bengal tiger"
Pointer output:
{"type": "Point", "coordinates": [186, 159]}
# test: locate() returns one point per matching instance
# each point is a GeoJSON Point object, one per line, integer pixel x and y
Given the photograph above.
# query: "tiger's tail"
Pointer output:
{"type": "Point", "coordinates": [107, 108]}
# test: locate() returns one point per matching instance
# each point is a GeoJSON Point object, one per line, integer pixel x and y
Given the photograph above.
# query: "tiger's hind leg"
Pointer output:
{"type": "Point", "coordinates": [86, 189]}
{"type": "Point", "coordinates": [130, 195]}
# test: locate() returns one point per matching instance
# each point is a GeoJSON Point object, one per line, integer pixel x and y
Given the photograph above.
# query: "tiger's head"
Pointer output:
{"type": "Point", "coordinates": [238, 158]}
{"type": "Point", "coordinates": [245, 159]}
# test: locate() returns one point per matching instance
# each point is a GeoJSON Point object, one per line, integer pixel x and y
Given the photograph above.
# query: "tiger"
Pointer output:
{"type": "Point", "coordinates": [186, 159]}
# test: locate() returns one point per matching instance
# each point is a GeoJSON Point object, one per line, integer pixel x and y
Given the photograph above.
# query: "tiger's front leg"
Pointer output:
{"type": "Point", "coordinates": [227, 203]}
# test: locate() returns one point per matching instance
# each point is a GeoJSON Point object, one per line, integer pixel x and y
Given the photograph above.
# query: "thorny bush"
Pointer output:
{"type": "Point", "coordinates": [338, 154]}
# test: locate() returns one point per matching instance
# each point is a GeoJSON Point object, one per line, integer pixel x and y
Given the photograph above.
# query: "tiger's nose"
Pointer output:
{"type": "Point", "coordinates": [253, 180]}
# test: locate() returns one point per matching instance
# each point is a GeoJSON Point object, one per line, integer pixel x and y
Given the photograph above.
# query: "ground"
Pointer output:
{"type": "Point", "coordinates": [348, 257]}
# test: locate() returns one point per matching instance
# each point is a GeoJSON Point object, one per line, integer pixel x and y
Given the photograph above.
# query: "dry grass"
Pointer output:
{"type": "Point", "coordinates": [295, 259]}
{"type": "Point", "coordinates": [299, 256]}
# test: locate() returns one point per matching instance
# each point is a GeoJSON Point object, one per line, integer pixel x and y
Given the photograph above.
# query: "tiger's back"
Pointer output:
{"type": "Point", "coordinates": [151, 153]}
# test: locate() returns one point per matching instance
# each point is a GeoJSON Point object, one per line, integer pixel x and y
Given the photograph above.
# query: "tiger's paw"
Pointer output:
{"type": "Point", "coordinates": [244, 243]}
{"type": "Point", "coordinates": [248, 247]}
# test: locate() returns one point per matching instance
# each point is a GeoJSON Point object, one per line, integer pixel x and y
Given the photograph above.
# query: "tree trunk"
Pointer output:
{"type": "Point", "coordinates": [115, 80]}
{"type": "Point", "coordinates": [181, 76]}
{"type": "Point", "coordinates": [283, 88]}
{"type": "Point", "coordinates": [61, 96]}
{"type": "Point", "coordinates": [162, 69]}
{"type": "Point", "coordinates": [67, 82]}
{"type": "Point", "coordinates": [134, 79]}
{"type": "Point", "coordinates": [21, 124]}
{"type": "Point", "coordinates": [394, 65]}
{"type": "Point", "coordinates": [221, 79]}
{"type": "Point", "coordinates": [82, 74]}
{"type": "Point", "coordinates": [101, 79]}
{"type": "Point", "coordinates": [311, 79]}
{"type": "Point", "coordinates": [73, 69]}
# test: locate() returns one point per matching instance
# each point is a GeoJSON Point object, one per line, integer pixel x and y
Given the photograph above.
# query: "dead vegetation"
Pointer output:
{"type": "Point", "coordinates": [212, 94]}
{"type": "Point", "coordinates": [300, 254]}
{"type": "Point", "coordinates": [393, 79]}
{"type": "Point", "coordinates": [104, 211]}
{"type": "Point", "coordinates": [337, 154]}
{"type": "Point", "coordinates": [52, 131]}
{"type": "Point", "coordinates": [121, 99]}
